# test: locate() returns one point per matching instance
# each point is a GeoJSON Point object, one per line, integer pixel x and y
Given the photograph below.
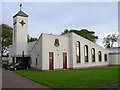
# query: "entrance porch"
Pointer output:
{"type": "Point", "coordinates": [21, 59]}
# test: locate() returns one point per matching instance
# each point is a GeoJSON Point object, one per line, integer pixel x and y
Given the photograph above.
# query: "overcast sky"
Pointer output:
{"type": "Point", "coordinates": [55, 17]}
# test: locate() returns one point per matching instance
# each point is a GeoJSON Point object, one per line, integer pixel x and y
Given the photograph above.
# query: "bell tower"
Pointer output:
{"type": "Point", "coordinates": [20, 28]}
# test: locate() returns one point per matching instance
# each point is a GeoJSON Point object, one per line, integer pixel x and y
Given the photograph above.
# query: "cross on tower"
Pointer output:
{"type": "Point", "coordinates": [20, 6]}
{"type": "Point", "coordinates": [22, 22]}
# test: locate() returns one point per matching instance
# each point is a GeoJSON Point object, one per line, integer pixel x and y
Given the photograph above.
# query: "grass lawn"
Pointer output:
{"type": "Point", "coordinates": [82, 78]}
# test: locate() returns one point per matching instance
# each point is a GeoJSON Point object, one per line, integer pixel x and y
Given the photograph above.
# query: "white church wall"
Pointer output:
{"type": "Point", "coordinates": [48, 46]}
{"type": "Point", "coordinates": [70, 39]}
{"type": "Point", "coordinates": [114, 58]}
{"type": "Point", "coordinates": [30, 45]}
{"type": "Point", "coordinates": [20, 41]}
{"type": "Point", "coordinates": [91, 45]}
{"type": "Point", "coordinates": [13, 36]}
{"type": "Point", "coordinates": [71, 50]}
{"type": "Point", "coordinates": [36, 53]}
{"type": "Point", "coordinates": [114, 55]}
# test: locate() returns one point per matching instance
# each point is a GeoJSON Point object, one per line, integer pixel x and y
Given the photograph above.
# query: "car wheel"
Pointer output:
{"type": "Point", "coordinates": [15, 68]}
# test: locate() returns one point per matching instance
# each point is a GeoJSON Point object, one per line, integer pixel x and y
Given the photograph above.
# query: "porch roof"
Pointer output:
{"type": "Point", "coordinates": [20, 56]}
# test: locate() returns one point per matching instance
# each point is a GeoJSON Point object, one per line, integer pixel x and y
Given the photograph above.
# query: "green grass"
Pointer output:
{"type": "Point", "coordinates": [82, 78]}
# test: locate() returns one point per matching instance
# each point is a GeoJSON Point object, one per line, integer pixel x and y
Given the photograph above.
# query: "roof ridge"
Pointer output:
{"type": "Point", "coordinates": [20, 13]}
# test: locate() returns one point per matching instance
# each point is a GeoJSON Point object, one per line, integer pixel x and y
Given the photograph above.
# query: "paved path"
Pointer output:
{"type": "Point", "coordinates": [12, 80]}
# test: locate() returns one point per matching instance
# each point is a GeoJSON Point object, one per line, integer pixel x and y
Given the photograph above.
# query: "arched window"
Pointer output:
{"type": "Point", "coordinates": [93, 54]}
{"type": "Point", "coordinates": [100, 56]}
{"type": "Point", "coordinates": [78, 52]}
{"type": "Point", "coordinates": [86, 53]}
{"type": "Point", "coordinates": [105, 57]}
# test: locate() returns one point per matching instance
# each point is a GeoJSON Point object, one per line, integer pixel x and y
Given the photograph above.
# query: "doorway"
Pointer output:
{"type": "Point", "coordinates": [64, 60]}
{"type": "Point", "coordinates": [51, 57]}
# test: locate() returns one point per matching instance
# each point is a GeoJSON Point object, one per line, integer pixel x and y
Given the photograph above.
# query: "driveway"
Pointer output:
{"type": "Point", "coordinates": [12, 80]}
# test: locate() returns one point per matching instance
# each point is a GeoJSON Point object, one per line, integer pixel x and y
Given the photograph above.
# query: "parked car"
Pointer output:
{"type": "Point", "coordinates": [11, 66]}
{"type": "Point", "coordinates": [4, 65]}
{"type": "Point", "coordinates": [17, 66]}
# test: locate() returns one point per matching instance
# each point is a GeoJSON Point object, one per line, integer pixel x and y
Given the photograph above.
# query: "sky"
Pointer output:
{"type": "Point", "coordinates": [55, 17]}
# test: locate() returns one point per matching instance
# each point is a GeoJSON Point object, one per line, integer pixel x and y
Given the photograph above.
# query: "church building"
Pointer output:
{"type": "Point", "coordinates": [50, 52]}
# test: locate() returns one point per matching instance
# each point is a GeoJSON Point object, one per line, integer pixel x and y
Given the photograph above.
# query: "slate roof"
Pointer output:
{"type": "Point", "coordinates": [20, 13]}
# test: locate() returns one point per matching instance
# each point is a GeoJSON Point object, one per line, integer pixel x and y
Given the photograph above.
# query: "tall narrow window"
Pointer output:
{"type": "Point", "coordinates": [86, 53]}
{"type": "Point", "coordinates": [14, 30]}
{"type": "Point", "coordinates": [14, 34]}
{"type": "Point", "coordinates": [36, 61]}
{"type": "Point", "coordinates": [105, 57]}
{"type": "Point", "coordinates": [93, 54]}
{"type": "Point", "coordinates": [78, 51]}
{"type": "Point", "coordinates": [100, 56]}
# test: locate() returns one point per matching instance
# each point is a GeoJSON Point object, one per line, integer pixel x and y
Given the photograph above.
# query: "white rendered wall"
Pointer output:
{"type": "Point", "coordinates": [20, 42]}
{"type": "Point", "coordinates": [45, 44]}
{"type": "Point", "coordinates": [114, 55]}
{"type": "Point", "coordinates": [48, 46]}
{"type": "Point", "coordinates": [36, 52]}
{"type": "Point", "coordinates": [91, 45]}
{"type": "Point", "coordinates": [30, 46]}
{"type": "Point", "coordinates": [114, 59]}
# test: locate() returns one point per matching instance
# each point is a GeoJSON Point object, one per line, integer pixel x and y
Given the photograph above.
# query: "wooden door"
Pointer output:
{"type": "Point", "coordinates": [51, 56]}
{"type": "Point", "coordinates": [64, 60]}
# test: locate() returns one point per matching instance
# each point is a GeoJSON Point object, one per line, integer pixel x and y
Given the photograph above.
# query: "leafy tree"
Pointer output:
{"type": "Point", "coordinates": [84, 33]}
{"type": "Point", "coordinates": [110, 40]}
{"type": "Point", "coordinates": [6, 37]}
{"type": "Point", "coordinates": [31, 39]}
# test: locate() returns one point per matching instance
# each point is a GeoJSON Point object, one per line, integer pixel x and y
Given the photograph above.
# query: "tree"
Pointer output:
{"type": "Point", "coordinates": [84, 33]}
{"type": "Point", "coordinates": [110, 40]}
{"type": "Point", "coordinates": [31, 39]}
{"type": "Point", "coordinates": [6, 37]}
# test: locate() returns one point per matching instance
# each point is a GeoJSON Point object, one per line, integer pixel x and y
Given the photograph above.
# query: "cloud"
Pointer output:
{"type": "Point", "coordinates": [76, 15]}
{"type": "Point", "coordinates": [56, 17]}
